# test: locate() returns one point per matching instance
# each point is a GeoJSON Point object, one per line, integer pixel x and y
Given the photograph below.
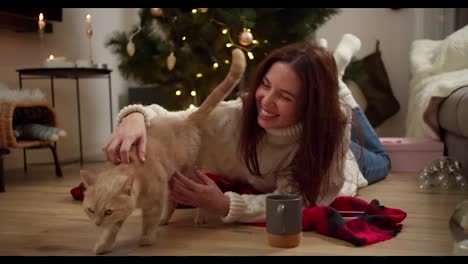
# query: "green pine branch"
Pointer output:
{"type": "Point", "coordinates": [197, 43]}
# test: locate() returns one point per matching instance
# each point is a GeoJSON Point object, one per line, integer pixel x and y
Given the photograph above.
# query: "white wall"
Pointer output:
{"type": "Point", "coordinates": [394, 29]}
{"type": "Point", "coordinates": [24, 50]}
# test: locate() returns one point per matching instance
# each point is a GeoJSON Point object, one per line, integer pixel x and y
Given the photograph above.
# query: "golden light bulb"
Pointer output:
{"type": "Point", "coordinates": [228, 45]}
{"type": "Point", "coordinates": [51, 57]}
{"type": "Point", "coordinates": [194, 11]}
{"type": "Point", "coordinates": [250, 54]}
{"type": "Point", "coordinates": [184, 38]}
{"type": "Point", "coordinates": [199, 75]}
{"type": "Point", "coordinates": [254, 41]}
{"type": "Point", "coordinates": [193, 93]}
{"type": "Point", "coordinates": [191, 106]}
{"type": "Point", "coordinates": [215, 65]}
{"type": "Point", "coordinates": [226, 61]}
{"type": "Point", "coordinates": [224, 31]}
{"type": "Point", "coordinates": [178, 92]}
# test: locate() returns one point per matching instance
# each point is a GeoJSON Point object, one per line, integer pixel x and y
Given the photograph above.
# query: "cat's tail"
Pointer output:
{"type": "Point", "coordinates": [223, 89]}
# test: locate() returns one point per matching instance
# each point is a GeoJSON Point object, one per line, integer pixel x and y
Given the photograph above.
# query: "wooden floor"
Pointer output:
{"type": "Point", "coordinates": [39, 217]}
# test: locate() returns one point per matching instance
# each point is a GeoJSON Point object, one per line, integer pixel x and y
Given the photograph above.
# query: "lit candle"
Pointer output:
{"type": "Point", "coordinates": [53, 58]}
{"type": "Point", "coordinates": [88, 20]}
{"type": "Point", "coordinates": [89, 34]}
{"type": "Point", "coordinates": [89, 31]}
{"type": "Point", "coordinates": [41, 22]}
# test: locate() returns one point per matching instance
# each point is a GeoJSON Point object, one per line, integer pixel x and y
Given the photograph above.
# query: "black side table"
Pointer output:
{"type": "Point", "coordinates": [67, 73]}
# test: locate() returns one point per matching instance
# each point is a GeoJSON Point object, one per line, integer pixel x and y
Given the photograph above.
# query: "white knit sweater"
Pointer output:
{"type": "Point", "coordinates": [218, 154]}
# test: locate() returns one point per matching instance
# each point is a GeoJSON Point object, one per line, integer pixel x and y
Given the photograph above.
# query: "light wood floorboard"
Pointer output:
{"type": "Point", "coordinates": [38, 217]}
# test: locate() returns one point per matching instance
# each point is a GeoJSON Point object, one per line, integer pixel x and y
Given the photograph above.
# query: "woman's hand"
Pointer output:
{"type": "Point", "coordinates": [206, 195]}
{"type": "Point", "coordinates": [131, 131]}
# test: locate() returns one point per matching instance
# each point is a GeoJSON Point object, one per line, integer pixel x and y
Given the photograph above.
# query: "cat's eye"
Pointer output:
{"type": "Point", "coordinates": [108, 212]}
{"type": "Point", "coordinates": [90, 210]}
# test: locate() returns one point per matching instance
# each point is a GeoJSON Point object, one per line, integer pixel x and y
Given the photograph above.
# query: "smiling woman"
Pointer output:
{"type": "Point", "coordinates": [292, 128]}
{"type": "Point", "coordinates": [279, 106]}
{"type": "Point", "coordinates": [285, 118]}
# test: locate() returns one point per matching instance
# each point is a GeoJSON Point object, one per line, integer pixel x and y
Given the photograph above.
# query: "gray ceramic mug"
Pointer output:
{"type": "Point", "coordinates": [284, 219]}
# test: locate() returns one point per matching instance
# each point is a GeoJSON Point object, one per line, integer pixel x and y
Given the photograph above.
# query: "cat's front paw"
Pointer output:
{"type": "Point", "coordinates": [200, 219]}
{"type": "Point", "coordinates": [163, 222]}
{"type": "Point", "coordinates": [147, 240]}
{"type": "Point", "coordinates": [101, 248]}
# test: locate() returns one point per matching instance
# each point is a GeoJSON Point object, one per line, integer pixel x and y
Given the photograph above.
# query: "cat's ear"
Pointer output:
{"type": "Point", "coordinates": [128, 185]}
{"type": "Point", "coordinates": [88, 177]}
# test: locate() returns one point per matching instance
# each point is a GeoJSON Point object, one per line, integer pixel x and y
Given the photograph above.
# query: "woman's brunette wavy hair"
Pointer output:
{"type": "Point", "coordinates": [321, 151]}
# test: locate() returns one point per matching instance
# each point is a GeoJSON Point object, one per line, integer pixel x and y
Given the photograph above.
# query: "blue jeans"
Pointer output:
{"type": "Point", "coordinates": [370, 154]}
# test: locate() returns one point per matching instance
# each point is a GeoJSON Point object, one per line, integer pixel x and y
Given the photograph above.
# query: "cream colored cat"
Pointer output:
{"type": "Point", "coordinates": [172, 145]}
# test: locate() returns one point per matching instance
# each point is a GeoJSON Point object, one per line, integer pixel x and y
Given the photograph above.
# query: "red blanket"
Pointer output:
{"type": "Point", "coordinates": [375, 223]}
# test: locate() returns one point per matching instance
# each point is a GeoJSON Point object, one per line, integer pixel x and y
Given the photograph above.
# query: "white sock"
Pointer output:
{"type": "Point", "coordinates": [323, 43]}
{"type": "Point", "coordinates": [345, 50]}
{"type": "Point", "coordinates": [346, 94]}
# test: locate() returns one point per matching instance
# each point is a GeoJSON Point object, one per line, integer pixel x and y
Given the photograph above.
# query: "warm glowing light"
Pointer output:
{"type": "Point", "coordinates": [228, 45]}
{"type": "Point", "coordinates": [178, 92]}
{"type": "Point", "coordinates": [41, 23]}
{"type": "Point", "coordinates": [255, 41]}
{"type": "Point", "coordinates": [215, 65]}
{"type": "Point", "coordinates": [226, 61]}
{"type": "Point", "coordinates": [191, 106]}
{"type": "Point", "coordinates": [199, 75]}
{"type": "Point", "coordinates": [194, 11]}
{"type": "Point", "coordinates": [193, 93]}
{"type": "Point", "coordinates": [250, 54]}
{"type": "Point", "coordinates": [184, 38]}
{"type": "Point", "coordinates": [225, 31]}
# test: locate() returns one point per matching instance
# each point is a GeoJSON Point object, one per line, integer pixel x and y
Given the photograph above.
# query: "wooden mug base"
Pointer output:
{"type": "Point", "coordinates": [284, 241]}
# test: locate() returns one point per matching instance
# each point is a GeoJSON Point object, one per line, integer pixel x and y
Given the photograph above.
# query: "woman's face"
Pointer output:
{"type": "Point", "coordinates": [278, 97]}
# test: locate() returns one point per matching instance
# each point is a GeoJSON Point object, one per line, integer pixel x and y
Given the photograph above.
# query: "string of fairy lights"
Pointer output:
{"type": "Point", "coordinates": [245, 39]}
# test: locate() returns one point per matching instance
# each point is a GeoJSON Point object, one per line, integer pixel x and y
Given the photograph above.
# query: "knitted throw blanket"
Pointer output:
{"type": "Point", "coordinates": [438, 68]}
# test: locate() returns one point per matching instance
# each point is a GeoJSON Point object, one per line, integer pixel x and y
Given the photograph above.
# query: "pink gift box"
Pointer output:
{"type": "Point", "coordinates": [412, 154]}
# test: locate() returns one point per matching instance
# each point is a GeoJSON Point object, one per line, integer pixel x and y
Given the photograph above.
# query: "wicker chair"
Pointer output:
{"type": "Point", "coordinates": [18, 113]}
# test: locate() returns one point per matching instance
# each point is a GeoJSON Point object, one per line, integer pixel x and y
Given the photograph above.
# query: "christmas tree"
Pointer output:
{"type": "Point", "coordinates": [185, 52]}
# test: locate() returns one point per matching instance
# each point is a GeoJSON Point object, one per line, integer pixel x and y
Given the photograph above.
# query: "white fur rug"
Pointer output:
{"type": "Point", "coordinates": [24, 95]}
